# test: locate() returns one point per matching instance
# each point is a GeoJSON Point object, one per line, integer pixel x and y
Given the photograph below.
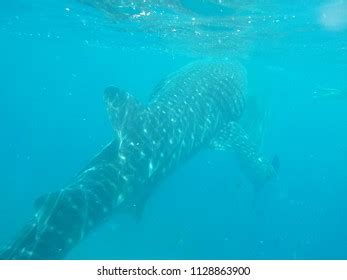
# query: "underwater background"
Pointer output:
{"type": "Point", "coordinates": [57, 57]}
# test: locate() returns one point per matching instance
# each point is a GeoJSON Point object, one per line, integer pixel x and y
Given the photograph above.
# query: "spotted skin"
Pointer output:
{"type": "Point", "coordinates": [194, 108]}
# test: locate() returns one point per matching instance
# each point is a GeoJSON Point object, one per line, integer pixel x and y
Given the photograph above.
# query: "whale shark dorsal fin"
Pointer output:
{"type": "Point", "coordinates": [122, 107]}
{"type": "Point", "coordinates": [157, 89]}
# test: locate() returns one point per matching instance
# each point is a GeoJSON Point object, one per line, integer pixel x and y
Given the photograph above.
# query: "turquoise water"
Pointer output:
{"type": "Point", "coordinates": [57, 57]}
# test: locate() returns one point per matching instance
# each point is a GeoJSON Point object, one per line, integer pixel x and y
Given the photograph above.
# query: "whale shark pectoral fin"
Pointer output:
{"type": "Point", "coordinates": [257, 168]}
{"type": "Point", "coordinates": [122, 107]}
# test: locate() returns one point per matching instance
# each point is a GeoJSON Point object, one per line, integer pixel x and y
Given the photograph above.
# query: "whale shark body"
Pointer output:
{"type": "Point", "coordinates": [195, 108]}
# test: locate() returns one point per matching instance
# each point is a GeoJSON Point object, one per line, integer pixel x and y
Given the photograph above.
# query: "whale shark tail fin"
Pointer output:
{"type": "Point", "coordinates": [254, 119]}
{"type": "Point", "coordinates": [253, 126]}
{"type": "Point", "coordinates": [122, 108]}
{"type": "Point", "coordinates": [274, 165]}
{"type": "Point", "coordinates": [258, 169]}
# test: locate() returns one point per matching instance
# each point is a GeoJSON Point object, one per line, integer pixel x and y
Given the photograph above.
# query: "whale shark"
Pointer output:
{"type": "Point", "coordinates": [198, 107]}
